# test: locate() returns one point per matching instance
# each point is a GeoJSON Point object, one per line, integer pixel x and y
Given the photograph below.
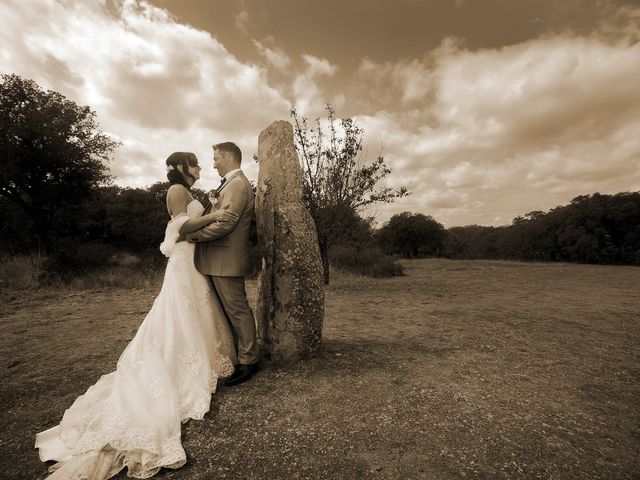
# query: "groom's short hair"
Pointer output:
{"type": "Point", "coordinates": [231, 148]}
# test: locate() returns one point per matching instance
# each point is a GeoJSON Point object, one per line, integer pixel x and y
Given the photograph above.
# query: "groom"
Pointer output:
{"type": "Point", "coordinates": [222, 253]}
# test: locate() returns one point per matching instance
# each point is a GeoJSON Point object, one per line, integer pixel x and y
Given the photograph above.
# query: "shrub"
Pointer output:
{"type": "Point", "coordinates": [70, 260]}
{"type": "Point", "coordinates": [100, 266]}
{"type": "Point", "coordinates": [364, 260]}
{"type": "Point", "coordinates": [19, 272]}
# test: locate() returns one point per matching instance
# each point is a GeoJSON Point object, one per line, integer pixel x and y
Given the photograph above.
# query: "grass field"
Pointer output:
{"type": "Point", "coordinates": [474, 369]}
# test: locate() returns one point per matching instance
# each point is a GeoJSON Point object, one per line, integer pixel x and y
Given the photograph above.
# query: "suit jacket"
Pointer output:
{"type": "Point", "coordinates": [222, 248]}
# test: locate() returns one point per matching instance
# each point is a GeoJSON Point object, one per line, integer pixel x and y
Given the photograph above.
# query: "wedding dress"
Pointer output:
{"type": "Point", "coordinates": [132, 417]}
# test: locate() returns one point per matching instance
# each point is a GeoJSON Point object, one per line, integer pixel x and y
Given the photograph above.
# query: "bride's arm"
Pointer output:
{"type": "Point", "coordinates": [177, 201]}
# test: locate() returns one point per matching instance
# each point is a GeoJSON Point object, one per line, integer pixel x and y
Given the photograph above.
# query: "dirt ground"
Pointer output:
{"type": "Point", "coordinates": [460, 369]}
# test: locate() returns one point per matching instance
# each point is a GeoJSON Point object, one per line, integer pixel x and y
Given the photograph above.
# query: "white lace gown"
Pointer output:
{"type": "Point", "coordinates": [132, 417]}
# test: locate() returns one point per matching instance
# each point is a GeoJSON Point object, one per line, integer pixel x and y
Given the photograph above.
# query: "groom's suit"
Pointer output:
{"type": "Point", "coordinates": [222, 253]}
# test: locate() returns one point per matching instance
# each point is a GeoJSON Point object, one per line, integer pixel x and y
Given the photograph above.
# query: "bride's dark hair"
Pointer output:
{"type": "Point", "coordinates": [185, 159]}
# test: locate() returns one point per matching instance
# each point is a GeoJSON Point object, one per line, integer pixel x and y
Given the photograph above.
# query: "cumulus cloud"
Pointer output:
{"type": "Point", "coordinates": [408, 81]}
{"type": "Point", "coordinates": [274, 55]}
{"type": "Point", "coordinates": [511, 130]}
{"type": "Point", "coordinates": [318, 66]}
{"type": "Point", "coordinates": [307, 94]}
{"type": "Point", "coordinates": [157, 85]}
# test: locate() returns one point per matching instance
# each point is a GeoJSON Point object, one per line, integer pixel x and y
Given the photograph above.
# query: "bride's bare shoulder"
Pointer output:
{"type": "Point", "coordinates": [177, 199]}
{"type": "Point", "coordinates": [177, 188]}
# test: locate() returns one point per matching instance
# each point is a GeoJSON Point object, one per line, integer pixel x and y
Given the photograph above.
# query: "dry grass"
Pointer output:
{"type": "Point", "coordinates": [23, 275]}
{"type": "Point", "coordinates": [472, 369]}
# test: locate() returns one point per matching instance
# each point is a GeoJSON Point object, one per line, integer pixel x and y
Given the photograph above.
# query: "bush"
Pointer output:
{"type": "Point", "coordinates": [19, 272]}
{"type": "Point", "coordinates": [100, 266]}
{"type": "Point", "coordinates": [69, 261]}
{"type": "Point", "coordinates": [364, 260]}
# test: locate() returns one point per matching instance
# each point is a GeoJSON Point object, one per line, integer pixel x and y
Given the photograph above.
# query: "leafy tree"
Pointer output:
{"type": "Point", "coordinates": [338, 182]}
{"type": "Point", "coordinates": [52, 153]}
{"type": "Point", "coordinates": [412, 235]}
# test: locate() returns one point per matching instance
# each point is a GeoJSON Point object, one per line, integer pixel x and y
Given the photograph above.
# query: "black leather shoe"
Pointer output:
{"type": "Point", "coordinates": [242, 374]}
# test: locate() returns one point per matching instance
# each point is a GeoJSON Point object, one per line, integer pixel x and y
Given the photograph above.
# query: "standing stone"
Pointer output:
{"type": "Point", "coordinates": [290, 288]}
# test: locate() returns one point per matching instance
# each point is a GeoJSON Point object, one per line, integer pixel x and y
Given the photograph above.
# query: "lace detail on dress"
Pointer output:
{"type": "Point", "coordinates": [132, 417]}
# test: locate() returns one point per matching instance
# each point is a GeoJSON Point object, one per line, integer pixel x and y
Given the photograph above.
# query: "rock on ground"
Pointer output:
{"type": "Point", "coordinates": [291, 297]}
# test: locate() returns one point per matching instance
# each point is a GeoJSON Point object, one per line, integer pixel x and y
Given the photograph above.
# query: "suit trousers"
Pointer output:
{"type": "Point", "coordinates": [233, 297]}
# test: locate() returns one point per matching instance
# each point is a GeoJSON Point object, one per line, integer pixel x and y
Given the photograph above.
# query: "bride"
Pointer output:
{"type": "Point", "coordinates": [132, 417]}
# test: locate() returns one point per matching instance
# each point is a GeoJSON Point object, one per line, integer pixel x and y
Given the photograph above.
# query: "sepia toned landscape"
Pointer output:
{"type": "Point", "coordinates": [435, 205]}
{"type": "Point", "coordinates": [458, 369]}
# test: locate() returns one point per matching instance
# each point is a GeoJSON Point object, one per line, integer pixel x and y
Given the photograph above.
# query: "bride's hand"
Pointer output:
{"type": "Point", "coordinates": [223, 216]}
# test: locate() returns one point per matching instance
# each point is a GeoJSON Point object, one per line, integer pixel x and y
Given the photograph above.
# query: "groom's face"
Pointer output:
{"type": "Point", "coordinates": [221, 162]}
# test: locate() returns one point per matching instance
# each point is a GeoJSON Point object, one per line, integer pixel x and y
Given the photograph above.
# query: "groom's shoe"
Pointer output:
{"type": "Point", "coordinates": [242, 374]}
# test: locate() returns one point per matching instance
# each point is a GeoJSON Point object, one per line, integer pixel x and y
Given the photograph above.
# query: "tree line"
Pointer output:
{"type": "Point", "coordinates": [594, 228]}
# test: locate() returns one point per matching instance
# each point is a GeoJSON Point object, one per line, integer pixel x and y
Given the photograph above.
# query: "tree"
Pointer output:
{"type": "Point", "coordinates": [338, 181]}
{"type": "Point", "coordinates": [412, 235]}
{"type": "Point", "coordinates": [15, 229]}
{"type": "Point", "coordinates": [52, 153]}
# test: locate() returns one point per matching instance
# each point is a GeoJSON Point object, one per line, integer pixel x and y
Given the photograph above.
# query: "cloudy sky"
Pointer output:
{"type": "Point", "coordinates": [484, 109]}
